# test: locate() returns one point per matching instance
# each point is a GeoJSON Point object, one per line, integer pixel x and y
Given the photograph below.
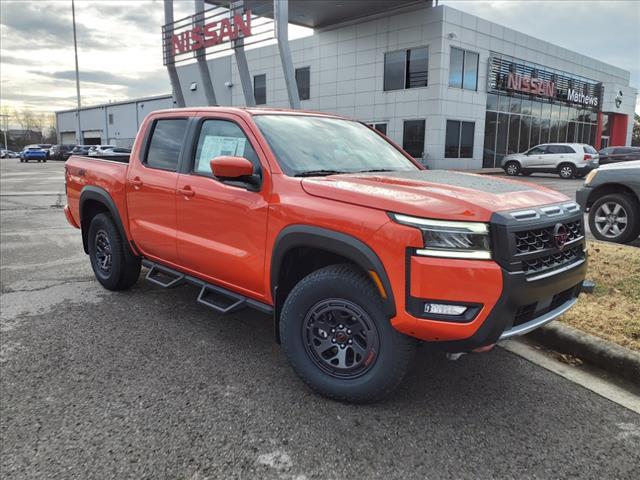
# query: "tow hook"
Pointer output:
{"type": "Point", "coordinates": [454, 356]}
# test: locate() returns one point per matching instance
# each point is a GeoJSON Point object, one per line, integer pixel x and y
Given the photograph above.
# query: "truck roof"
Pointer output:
{"type": "Point", "coordinates": [247, 111]}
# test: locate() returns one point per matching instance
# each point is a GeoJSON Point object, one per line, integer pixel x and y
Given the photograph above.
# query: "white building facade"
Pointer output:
{"type": "Point", "coordinates": [456, 91]}
{"type": "Point", "coordinates": [110, 123]}
{"type": "Point", "coordinates": [427, 77]}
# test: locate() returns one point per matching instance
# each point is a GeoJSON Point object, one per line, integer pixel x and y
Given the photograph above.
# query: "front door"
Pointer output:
{"type": "Point", "coordinates": [222, 227]}
{"type": "Point", "coordinates": [151, 190]}
{"type": "Point", "coordinates": [604, 142]}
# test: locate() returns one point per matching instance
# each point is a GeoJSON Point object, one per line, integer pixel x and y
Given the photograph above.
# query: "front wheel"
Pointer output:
{"type": "Point", "coordinates": [111, 266]}
{"type": "Point", "coordinates": [339, 341]}
{"type": "Point", "coordinates": [512, 168]}
{"type": "Point", "coordinates": [615, 218]}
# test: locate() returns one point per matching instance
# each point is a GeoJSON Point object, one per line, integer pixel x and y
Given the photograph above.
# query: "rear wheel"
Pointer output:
{"type": "Point", "coordinates": [338, 339]}
{"type": "Point", "coordinates": [615, 218]}
{"type": "Point", "coordinates": [512, 168]}
{"type": "Point", "coordinates": [111, 266]}
{"type": "Point", "coordinates": [566, 171]}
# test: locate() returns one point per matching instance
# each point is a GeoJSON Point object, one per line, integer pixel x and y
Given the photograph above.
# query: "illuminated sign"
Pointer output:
{"type": "Point", "coordinates": [579, 97]}
{"type": "Point", "coordinates": [212, 33]}
{"type": "Point", "coordinates": [532, 86]}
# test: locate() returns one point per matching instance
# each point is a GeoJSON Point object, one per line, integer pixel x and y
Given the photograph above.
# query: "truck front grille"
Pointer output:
{"type": "Point", "coordinates": [542, 238]}
{"type": "Point", "coordinates": [553, 260]}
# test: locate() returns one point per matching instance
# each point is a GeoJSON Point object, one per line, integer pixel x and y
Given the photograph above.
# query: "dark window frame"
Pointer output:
{"type": "Point", "coordinates": [255, 95]}
{"type": "Point", "coordinates": [308, 89]}
{"type": "Point", "coordinates": [464, 59]}
{"type": "Point", "coordinates": [424, 135]}
{"type": "Point", "coordinates": [405, 73]}
{"type": "Point", "coordinates": [460, 128]}
{"type": "Point", "coordinates": [149, 139]}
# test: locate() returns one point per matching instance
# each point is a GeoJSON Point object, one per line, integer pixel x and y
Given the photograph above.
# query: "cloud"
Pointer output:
{"type": "Point", "coordinates": [29, 26]}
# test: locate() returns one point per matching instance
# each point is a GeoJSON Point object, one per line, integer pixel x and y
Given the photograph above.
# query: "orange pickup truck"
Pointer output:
{"type": "Point", "coordinates": [352, 247]}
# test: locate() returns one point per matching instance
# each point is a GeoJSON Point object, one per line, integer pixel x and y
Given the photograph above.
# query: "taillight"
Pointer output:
{"type": "Point", "coordinates": [587, 157]}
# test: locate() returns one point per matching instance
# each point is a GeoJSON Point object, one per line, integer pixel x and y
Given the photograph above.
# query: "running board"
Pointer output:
{"type": "Point", "coordinates": [219, 299]}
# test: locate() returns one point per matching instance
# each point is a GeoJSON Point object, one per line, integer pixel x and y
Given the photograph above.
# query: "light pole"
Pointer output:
{"type": "Point", "coordinates": [5, 125]}
{"type": "Point", "coordinates": [75, 48]}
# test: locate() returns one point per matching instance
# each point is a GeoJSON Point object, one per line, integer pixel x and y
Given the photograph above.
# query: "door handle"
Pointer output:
{"type": "Point", "coordinates": [136, 182]}
{"type": "Point", "coordinates": [186, 191]}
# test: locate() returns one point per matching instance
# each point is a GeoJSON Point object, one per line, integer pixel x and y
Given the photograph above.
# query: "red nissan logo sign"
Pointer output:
{"type": "Point", "coordinates": [560, 236]}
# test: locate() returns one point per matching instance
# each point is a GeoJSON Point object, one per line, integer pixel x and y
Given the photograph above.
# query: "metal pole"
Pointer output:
{"type": "Point", "coordinates": [5, 125]}
{"type": "Point", "coordinates": [201, 57]}
{"type": "Point", "coordinates": [178, 97]}
{"type": "Point", "coordinates": [241, 61]}
{"type": "Point", "coordinates": [75, 49]}
{"type": "Point", "coordinates": [281, 13]}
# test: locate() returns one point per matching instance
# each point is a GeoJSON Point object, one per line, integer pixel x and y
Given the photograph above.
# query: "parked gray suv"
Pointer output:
{"type": "Point", "coordinates": [611, 195]}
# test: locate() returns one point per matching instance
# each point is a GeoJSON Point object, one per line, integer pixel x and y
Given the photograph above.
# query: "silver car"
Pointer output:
{"type": "Point", "coordinates": [569, 160]}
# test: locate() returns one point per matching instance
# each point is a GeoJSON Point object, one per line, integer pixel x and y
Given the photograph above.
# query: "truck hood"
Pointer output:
{"type": "Point", "coordinates": [432, 193]}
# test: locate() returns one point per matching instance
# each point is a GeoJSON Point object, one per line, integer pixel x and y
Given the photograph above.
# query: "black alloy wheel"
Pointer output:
{"type": "Point", "coordinates": [340, 338]}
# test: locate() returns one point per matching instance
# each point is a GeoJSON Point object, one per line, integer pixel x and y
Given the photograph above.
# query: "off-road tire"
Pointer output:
{"type": "Point", "coordinates": [346, 283]}
{"type": "Point", "coordinates": [631, 207]}
{"type": "Point", "coordinates": [123, 270]}
{"type": "Point", "coordinates": [512, 168]}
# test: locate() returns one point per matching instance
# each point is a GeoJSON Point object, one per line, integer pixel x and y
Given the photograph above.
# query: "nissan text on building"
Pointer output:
{"type": "Point", "coordinates": [455, 90]}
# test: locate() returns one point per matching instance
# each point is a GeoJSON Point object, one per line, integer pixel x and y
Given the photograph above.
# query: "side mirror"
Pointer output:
{"type": "Point", "coordinates": [231, 168]}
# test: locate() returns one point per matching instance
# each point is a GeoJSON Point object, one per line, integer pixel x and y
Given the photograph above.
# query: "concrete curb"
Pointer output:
{"type": "Point", "coordinates": [617, 360]}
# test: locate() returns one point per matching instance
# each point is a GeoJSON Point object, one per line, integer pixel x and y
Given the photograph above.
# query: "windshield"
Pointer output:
{"type": "Point", "coordinates": [309, 145]}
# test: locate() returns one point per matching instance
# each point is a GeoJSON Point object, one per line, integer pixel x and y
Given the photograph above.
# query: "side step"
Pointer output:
{"type": "Point", "coordinates": [164, 277]}
{"type": "Point", "coordinates": [217, 298]}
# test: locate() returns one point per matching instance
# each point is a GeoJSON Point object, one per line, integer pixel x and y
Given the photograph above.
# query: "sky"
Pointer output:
{"type": "Point", "coordinates": [120, 51]}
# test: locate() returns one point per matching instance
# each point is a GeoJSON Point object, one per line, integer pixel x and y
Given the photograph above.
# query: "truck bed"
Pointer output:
{"type": "Point", "coordinates": [107, 173]}
{"type": "Point", "coordinates": [111, 158]}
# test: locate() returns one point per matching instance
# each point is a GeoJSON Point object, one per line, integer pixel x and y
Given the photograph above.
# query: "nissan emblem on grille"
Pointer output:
{"type": "Point", "coordinates": [560, 235]}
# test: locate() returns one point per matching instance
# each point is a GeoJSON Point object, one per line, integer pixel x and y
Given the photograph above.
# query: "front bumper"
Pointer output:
{"type": "Point", "coordinates": [516, 293]}
{"type": "Point", "coordinates": [582, 197]}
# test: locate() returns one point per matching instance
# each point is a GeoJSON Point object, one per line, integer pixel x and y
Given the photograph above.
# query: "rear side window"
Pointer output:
{"type": "Point", "coordinates": [218, 138]}
{"type": "Point", "coordinates": [566, 149]}
{"type": "Point", "coordinates": [589, 149]}
{"type": "Point", "coordinates": [166, 142]}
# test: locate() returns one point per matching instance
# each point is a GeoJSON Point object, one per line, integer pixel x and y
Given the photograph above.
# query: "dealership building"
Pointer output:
{"type": "Point", "coordinates": [455, 90]}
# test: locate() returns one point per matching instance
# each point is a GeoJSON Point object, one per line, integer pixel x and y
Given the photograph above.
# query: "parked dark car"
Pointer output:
{"type": "Point", "coordinates": [619, 154]}
{"type": "Point", "coordinates": [611, 195]}
{"type": "Point", "coordinates": [81, 150]}
{"type": "Point", "coordinates": [60, 152]}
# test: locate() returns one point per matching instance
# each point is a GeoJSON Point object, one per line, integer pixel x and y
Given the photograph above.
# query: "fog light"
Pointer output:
{"type": "Point", "coordinates": [442, 309]}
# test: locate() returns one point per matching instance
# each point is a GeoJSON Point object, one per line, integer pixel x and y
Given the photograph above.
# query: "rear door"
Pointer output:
{"type": "Point", "coordinates": [151, 189]}
{"type": "Point", "coordinates": [222, 226]}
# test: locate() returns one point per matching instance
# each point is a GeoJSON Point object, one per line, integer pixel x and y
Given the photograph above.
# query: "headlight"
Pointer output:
{"type": "Point", "coordinates": [592, 174]}
{"type": "Point", "coordinates": [450, 239]}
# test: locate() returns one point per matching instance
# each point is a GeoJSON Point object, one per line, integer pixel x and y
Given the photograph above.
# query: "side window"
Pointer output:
{"type": "Point", "coordinates": [166, 142]}
{"type": "Point", "coordinates": [539, 150]}
{"type": "Point", "coordinates": [222, 137]}
{"type": "Point", "coordinates": [567, 149]}
{"type": "Point", "coordinates": [552, 149]}
{"type": "Point", "coordinates": [620, 151]}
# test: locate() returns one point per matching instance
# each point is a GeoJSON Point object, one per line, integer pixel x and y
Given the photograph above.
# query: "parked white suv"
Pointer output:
{"type": "Point", "coordinates": [99, 149]}
{"type": "Point", "coordinates": [568, 160]}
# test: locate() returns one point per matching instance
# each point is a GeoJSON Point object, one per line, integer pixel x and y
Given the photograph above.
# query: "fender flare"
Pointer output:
{"type": "Point", "coordinates": [335, 242]}
{"type": "Point", "coordinates": [91, 192]}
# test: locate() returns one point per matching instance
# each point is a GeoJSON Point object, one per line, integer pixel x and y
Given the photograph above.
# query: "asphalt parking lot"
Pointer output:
{"type": "Point", "coordinates": [147, 384]}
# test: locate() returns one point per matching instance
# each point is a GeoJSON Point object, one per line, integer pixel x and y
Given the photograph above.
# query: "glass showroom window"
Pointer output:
{"type": "Point", "coordinates": [380, 126]}
{"type": "Point", "coordinates": [303, 80]}
{"type": "Point", "coordinates": [413, 138]}
{"type": "Point", "coordinates": [459, 139]}
{"type": "Point", "coordinates": [260, 89]}
{"type": "Point", "coordinates": [406, 69]}
{"type": "Point", "coordinates": [463, 69]}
